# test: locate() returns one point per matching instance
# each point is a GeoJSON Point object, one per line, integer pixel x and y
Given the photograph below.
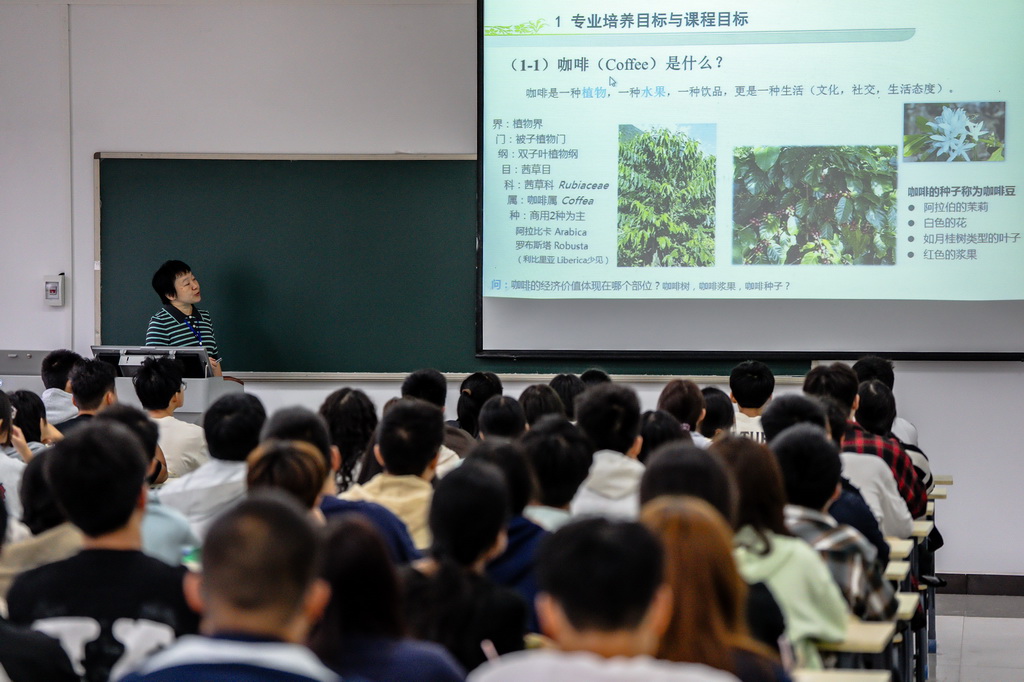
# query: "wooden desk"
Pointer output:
{"type": "Point", "coordinates": [863, 637]}
{"type": "Point", "coordinates": [897, 570]}
{"type": "Point", "coordinates": [908, 605]}
{"type": "Point", "coordinates": [842, 676]}
{"type": "Point", "coordinates": [929, 509]}
{"type": "Point", "coordinates": [899, 548]}
{"type": "Point", "coordinates": [943, 479]}
{"type": "Point", "coordinates": [939, 492]}
{"type": "Point", "coordinates": [922, 529]}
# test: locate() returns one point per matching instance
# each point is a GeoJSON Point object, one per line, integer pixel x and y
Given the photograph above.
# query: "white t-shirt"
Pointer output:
{"type": "Point", "coordinates": [184, 445]}
{"type": "Point", "coordinates": [749, 427]}
{"type": "Point", "coordinates": [549, 665]}
{"type": "Point", "coordinates": [877, 486]}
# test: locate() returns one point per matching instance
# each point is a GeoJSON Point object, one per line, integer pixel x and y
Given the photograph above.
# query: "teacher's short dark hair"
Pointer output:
{"type": "Point", "coordinates": [163, 278]}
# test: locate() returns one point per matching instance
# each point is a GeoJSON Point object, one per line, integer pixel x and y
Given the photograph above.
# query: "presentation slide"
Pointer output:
{"type": "Point", "coordinates": [753, 151]}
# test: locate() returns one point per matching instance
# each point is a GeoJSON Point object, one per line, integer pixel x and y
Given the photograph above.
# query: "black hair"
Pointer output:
{"type": "Point", "coordinates": [157, 381]}
{"type": "Point", "coordinates": [539, 400]}
{"type": "Point", "coordinates": [97, 474]}
{"type": "Point", "coordinates": [30, 411]}
{"type": "Point", "coordinates": [876, 410]}
{"type": "Point", "coordinates": [837, 419]}
{"type": "Point", "coordinates": [594, 377]}
{"type": "Point", "coordinates": [810, 465]}
{"type": "Point", "coordinates": [261, 554]}
{"type": "Point", "coordinates": [426, 384]}
{"type": "Point", "coordinates": [789, 409]}
{"type": "Point", "coordinates": [683, 400]}
{"type": "Point", "coordinates": [560, 457]}
{"type": "Point", "coordinates": [351, 419]}
{"type": "Point", "coordinates": [875, 367]}
{"type": "Point", "coordinates": [138, 422]}
{"type": "Point", "coordinates": [568, 386]}
{"type": "Point", "coordinates": [511, 459]}
{"type": "Point", "coordinates": [719, 412]}
{"type": "Point", "coordinates": [657, 428]}
{"type": "Point", "coordinates": [752, 384]}
{"type": "Point", "coordinates": [475, 390]}
{"type": "Point", "coordinates": [609, 416]}
{"type": "Point", "coordinates": [679, 469]}
{"type": "Point", "coordinates": [602, 573]}
{"type": "Point", "coordinates": [299, 423]}
{"type": "Point", "coordinates": [5, 419]}
{"type": "Point", "coordinates": [836, 381]}
{"type": "Point", "coordinates": [468, 511]}
{"type": "Point", "coordinates": [40, 511]}
{"type": "Point", "coordinates": [410, 435]}
{"type": "Point", "coordinates": [163, 278]}
{"type": "Point", "coordinates": [90, 381]}
{"type": "Point", "coordinates": [57, 366]}
{"type": "Point", "coordinates": [365, 592]}
{"type": "Point", "coordinates": [232, 425]}
{"type": "Point", "coordinates": [3, 523]}
{"type": "Point", "coordinates": [502, 417]}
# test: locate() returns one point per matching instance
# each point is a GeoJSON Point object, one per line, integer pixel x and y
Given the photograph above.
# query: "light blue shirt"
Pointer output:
{"type": "Point", "coordinates": [166, 534]}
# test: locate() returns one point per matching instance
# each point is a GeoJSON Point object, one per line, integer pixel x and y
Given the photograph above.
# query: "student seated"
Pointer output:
{"type": "Point", "coordinates": [432, 386]}
{"type": "Point", "coordinates": [876, 412]}
{"type": "Point", "coordinates": [502, 417]}
{"type": "Point", "coordinates": [719, 415]}
{"type": "Point", "coordinates": [161, 390]}
{"type": "Point", "coordinates": [110, 605]}
{"type": "Point", "coordinates": [290, 466]}
{"type": "Point", "coordinates": [14, 452]}
{"type": "Point", "coordinates": [31, 419]}
{"type": "Point", "coordinates": [259, 595]}
{"type": "Point", "coordinates": [751, 385]}
{"type": "Point", "coordinates": [540, 400]}
{"type": "Point", "coordinates": [874, 367]}
{"type": "Point", "coordinates": [363, 632]}
{"type": "Point", "coordinates": [709, 619]}
{"type": "Point", "coordinates": [476, 389]}
{"type": "Point", "coordinates": [766, 551]}
{"type": "Point", "coordinates": [683, 400]}
{"type": "Point", "coordinates": [56, 375]}
{"type": "Point", "coordinates": [448, 597]}
{"type": "Point", "coordinates": [232, 427]}
{"type": "Point", "coordinates": [92, 389]}
{"type": "Point", "coordinates": [658, 427]}
{"type": "Point", "coordinates": [810, 469]}
{"type": "Point", "coordinates": [351, 420]}
{"type": "Point", "coordinates": [568, 386]}
{"type": "Point", "coordinates": [560, 458]}
{"type": "Point", "coordinates": [609, 416]}
{"type": "Point", "coordinates": [605, 603]}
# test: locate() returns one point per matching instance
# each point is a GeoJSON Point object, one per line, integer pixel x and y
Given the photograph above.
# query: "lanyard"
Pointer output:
{"type": "Point", "coordinates": [195, 332]}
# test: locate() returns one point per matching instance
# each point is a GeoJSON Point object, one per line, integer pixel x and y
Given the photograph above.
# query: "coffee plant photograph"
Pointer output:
{"type": "Point", "coordinates": [814, 205]}
{"type": "Point", "coordinates": [961, 131]}
{"type": "Point", "coordinates": [666, 198]}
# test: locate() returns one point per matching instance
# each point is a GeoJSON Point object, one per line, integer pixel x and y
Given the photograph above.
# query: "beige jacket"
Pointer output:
{"type": "Point", "coordinates": [408, 498]}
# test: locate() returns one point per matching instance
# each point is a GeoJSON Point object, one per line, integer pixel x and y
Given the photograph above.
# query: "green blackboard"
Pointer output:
{"type": "Point", "coordinates": [315, 265]}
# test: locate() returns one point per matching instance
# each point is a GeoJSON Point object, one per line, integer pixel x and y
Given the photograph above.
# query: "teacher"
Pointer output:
{"type": "Point", "coordinates": [180, 322]}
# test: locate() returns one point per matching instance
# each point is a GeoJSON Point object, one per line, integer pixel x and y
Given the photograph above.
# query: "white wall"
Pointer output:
{"type": "Point", "coordinates": [376, 77]}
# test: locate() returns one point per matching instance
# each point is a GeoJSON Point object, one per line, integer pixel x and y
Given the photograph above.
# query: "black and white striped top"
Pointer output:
{"type": "Point", "coordinates": [170, 327]}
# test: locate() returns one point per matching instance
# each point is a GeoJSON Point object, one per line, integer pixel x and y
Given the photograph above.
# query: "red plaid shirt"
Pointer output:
{"type": "Point", "coordinates": [856, 439]}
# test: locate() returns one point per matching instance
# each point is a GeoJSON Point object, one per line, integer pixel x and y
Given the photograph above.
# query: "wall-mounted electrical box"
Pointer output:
{"type": "Point", "coordinates": [54, 290]}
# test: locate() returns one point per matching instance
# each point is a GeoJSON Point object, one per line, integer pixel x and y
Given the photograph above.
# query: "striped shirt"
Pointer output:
{"type": "Point", "coordinates": [171, 327]}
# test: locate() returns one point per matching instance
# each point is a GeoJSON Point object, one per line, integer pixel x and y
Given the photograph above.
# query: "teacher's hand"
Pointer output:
{"type": "Point", "coordinates": [215, 366]}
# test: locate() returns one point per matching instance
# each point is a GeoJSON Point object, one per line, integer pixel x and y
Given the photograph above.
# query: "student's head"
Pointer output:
{"type": "Point", "coordinates": [476, 389]}
{"type": "Point", "coordinates": [837, 418]}
{"type": "Point", "coordinates": [6, 419]}
{"type": "Point", "coordinates": [31, 415]}
{"type": "Point", "coordinates": [502, 417]}
{"type": "Point", "coordinates": [97, 474]}
{"type": "Point", "coordinates": [568, 386]}
{"type": "Point", "coordinates": [594, 377]}
{"type": "Point", "coordinates": [810, 465]}
{"type": "Point", "coordinates": [468, 514]}
{"type": "Point", "coordinates": [136, 421]}
{"type": "Point", "coordinates": [540, 400]}
{"type": "Point", "coordinates": [761, 495]}
{"type": "Point", "coordinates": [410, 435]}
{"type": "Point", "coordinates": [679, 469]}
{"type": "Point", "coordinates": [92, 385]}
{"type": "Point", "coordinates": [168, 280]}
{"type": "Point", "coordinates": [351, 419]}
{"type": "Point", "coordinates": [57, 366]}
{"type": "Point", "coordinates": [876, 409]}
{"type": "Point", "coordinates": [365, 592]}
{"type": "Point", "coordinates": [232, 425]}
{"type": "Point", "coordinates": [683, 400]}
{"type": "Point", "coordinates": [511, 460]}
{"type": "Point", "coordinates": [293, 466]}
{"type": "Point", "coordinates": [658, 427]}
{"type": "Point", "coordinates": [299, 423]}
{"type": "Point", "coordinates": [560, 457]}
{"type": "Point", "coordinates": [599, 576]}
{"type": "Point", "coordinates": [709, 595]}
{"type": "Point", "coordinates": [790, 409]}
{"type": "Point", "coordinates": [40, 511]}
{"type": "Point", "coordinates": [836, 381]}
{"type": "Point", "coordinates": [609, 416]}
{"type": "Point", "coordinates": [719, 415]}
{"type": "Point", "coordinates": [873, 367]}
{"type": "Point", "coordinates": [260, 561]}
{"type": "Point", "coordinates": [426, 384]}
{"type": "Point", "coordinates": [752, 384]}
{"type": "Point", "coordinates": [158, 380]}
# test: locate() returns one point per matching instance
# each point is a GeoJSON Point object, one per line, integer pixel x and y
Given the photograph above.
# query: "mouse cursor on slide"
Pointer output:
{"type": "Point", "coordinates": [611, 82]}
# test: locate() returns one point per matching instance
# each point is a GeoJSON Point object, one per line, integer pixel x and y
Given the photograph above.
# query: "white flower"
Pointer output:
{"type": "Point", "coordinates": [960, 148]}
{"type": "Point", "coordinates": [976, 129]}
{"type": "Point", "coordinates": [952, 121]}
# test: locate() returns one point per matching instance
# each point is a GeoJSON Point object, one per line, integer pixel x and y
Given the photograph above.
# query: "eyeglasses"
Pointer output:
{"type": "Point", "coordinates": [183, 386]}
